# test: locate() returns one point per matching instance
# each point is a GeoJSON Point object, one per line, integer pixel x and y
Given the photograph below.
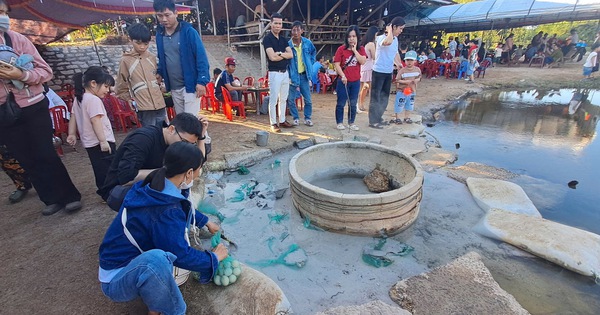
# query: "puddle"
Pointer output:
{"type": "Point", "coordinates": [343, 183]}
{"type": "Point", "coordinates": [532, 133]}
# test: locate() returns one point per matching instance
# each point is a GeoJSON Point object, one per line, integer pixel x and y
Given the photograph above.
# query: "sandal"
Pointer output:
{"type": "Point", "coordinates": [376, 126]}
{"type": "Point", "coordinates": [398, 121]}
{"type": "Point", "coordinates": [408, 120]}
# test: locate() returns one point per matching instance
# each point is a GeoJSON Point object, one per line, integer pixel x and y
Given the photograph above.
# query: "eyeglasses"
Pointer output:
{"type": "Point", "coordinates": [185, 140]}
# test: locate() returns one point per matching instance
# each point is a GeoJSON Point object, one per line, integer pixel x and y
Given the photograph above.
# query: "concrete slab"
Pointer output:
{"type": "Point", "coordinates": [500, 194]}
{"type": "Point", "coordinates": [473, 169]}
{"type": "Point", "coordinates": [566, 246]}
{"type": "Point", "coordinates": [464, 286]}
{"type": "Point", "coordinates": [252, 293]}
{"type": "Point", "coordinates": [376, 307]}
{"type": "Point", "coordinates": [409, 146]}
{"type": "Point", "coordinates": [408, 130]}
{"type": "Point", "coordinates": [235, 159]}
{"type": "Point", "coordinates": [435, 158]}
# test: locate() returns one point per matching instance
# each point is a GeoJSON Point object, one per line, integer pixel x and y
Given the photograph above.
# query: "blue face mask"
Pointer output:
{"type": "Point", "coordinates": [4, 23]}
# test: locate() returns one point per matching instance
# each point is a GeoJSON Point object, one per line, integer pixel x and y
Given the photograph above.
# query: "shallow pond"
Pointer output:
{"type": "Point", "coordinates": [535, 133]}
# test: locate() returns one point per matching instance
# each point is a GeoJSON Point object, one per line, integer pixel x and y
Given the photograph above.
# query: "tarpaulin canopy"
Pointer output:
{"type": "Point", "coordinates": [496, 14]}
{"type": "Point", "coordinates": [78, 13]}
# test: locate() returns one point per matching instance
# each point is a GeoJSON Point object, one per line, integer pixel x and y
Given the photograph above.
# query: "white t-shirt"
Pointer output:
{"type": "Point", "coordinates": [591, 60]}
{"type": "Point", "coordinates": [384, 55]}
{"type": "Point", "coordinates": [91, 106]}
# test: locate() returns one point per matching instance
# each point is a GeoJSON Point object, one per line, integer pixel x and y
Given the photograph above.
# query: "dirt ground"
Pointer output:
{"type": "Point", "coordinates": [49, 264]}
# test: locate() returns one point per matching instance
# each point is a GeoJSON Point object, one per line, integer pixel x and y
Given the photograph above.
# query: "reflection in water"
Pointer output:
{"type": "Point", "coordinates": [548, 136]}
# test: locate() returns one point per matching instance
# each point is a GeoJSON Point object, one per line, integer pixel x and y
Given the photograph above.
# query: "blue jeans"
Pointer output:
{"type": "Point", "coordinates": [305, 92]}
{"type": "Point", "coordinates": [149, 276]}
{"type": "Point", "coordinates": [342, 97]}
{"type": "Point", "coordinates": [380, 95]}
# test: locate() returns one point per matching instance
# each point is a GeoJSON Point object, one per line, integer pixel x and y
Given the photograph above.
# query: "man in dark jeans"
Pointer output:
{"type": "Point", "coordinates": [381, 81]}
{"type": "Point", "coordinates": [143, 151]}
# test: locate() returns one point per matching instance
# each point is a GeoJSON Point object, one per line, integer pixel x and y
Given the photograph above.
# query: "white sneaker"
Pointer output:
{"type": "Point", "coordinates": [340, 127]}
{"type": "Point", "coordinates": [308, 122]}
{"type": "Point", "coordinates": [296, 122]}
{"type": "Point", "coordinates": [354, 128]}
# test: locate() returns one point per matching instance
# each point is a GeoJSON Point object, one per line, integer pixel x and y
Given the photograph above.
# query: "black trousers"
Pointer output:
{"type": "Point", "coordinates": [30, 142]}
{"type": "Point", "coordinates": [381, 84]}
{"type": "Point", "coordinates": [100, 162]}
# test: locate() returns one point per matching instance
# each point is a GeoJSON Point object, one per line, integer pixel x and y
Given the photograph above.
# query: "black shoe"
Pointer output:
{"type": "Point", "coordinates": [73, 206]}
{"type": "Point", "coordinates": [384, 123]}
{"type": "Point", "coordinates": [376, 126]}
{"type": "Point", "coordinates": [17, 195]}
{"type": "Point", "coordinates": [52, 209]}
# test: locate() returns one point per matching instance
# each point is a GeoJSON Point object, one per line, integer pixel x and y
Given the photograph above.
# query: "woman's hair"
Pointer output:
{"type": "Point", "coordinates": [93, 73]}
{"type": "Point", "coordinates": [397, 21]}
{"type": "Point", "coordinates": [348, 31]}
{"type": "Point", "coordinates": [179, 158]}
{"type": "Point", "coordinates": [369, 36]}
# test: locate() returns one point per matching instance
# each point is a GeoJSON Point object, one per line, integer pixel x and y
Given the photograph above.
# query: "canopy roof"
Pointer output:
{"type": "Point", "coordinates": [78, 13]}
{"type": "Point", "coordinates": [488, 14]}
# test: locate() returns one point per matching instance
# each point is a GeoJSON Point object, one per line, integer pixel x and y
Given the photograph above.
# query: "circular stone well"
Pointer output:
{"type": "Point", "coordinates": [326, 185]}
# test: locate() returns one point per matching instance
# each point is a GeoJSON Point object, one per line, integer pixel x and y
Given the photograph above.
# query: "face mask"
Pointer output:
{"type": "Point", "coordinates": [4, 23]}
{"type": "Point", "coordinates": [185, 185]}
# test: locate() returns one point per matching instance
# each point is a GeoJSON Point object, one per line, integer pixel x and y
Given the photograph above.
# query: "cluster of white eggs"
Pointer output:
{"type": "Point", "coordinates": [228, 272]}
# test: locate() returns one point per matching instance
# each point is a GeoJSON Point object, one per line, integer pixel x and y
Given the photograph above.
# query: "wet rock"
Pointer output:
{"type": "Point", "coordinates": [495, 193]}
{"type": "Point", "coordinates": [361, 138]}
{"type": "Point", "coordinates": [410, 130]}
{"type": "Point", "coordinates": [573, 184]}
{"type": "Point", "coordinates": [464, 286]}
{"type": "Point", "coordinates": [435, 158]}
{"type": "Point", "coordinates": [375, 140]}
{"type": "Point", "coordinates": [473, 169]}
{"type": "Point", "coordinates": [303, 144]}
{"type": "Point", "coordinates": [235, 159]}
{"type": "Point", "coordinates": [280, 192]}
{"type": "Point", "coordinates": [376, 307]}
{"type": "Point", "coordinates": [378, 180]}
{"type": "Point", "coordinates": [319, 140]}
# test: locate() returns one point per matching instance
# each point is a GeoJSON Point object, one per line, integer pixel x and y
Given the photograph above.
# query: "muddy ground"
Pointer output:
{"type": "Point", "coordinates": [49, 264]}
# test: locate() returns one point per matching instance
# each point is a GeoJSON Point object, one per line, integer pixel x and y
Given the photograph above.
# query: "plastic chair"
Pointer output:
{"type": "Point", "coordinates": [228, 104]}
{"type": "Point", "coordinates": [58, 114]}
{"type": "Point", "coordinates": [121, 112]}
{"type": "Point", "coordinates": [248, 81]}
{"type": "Point", "coordinates": [67, 93]}
{"type": "Point", "coordinates": [451, 70]}
{"type": "Point", "coordinates": [463, 68]}
{"type": "Point", "coordinates": [209, 99]}
{"type": "Point", "coordinates": [170, 113]}
{"type": "Point", "coordinates": [537, 59]}
{"type": "Point", "coordinates": [482, 67]}
{"type": "Point", "coordinates": [263, 82]}
{"type": "Point", "coordinates": [323, 82]}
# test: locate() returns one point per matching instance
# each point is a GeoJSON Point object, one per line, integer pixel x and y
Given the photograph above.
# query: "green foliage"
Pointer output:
{"type": "Point", "coordinates": [99, 30]}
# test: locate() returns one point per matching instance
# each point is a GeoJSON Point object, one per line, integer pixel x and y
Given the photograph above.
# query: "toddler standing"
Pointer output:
{"type": "Point", "coordinates": [88, 117]}
{"type": "Point", "coordinates": [406, 85]}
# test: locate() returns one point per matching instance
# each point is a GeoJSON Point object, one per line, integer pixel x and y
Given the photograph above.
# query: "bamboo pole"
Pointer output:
{"type": "Point", "coordinates": [212, 12]}
{"type": "Point", "coordinates": [227, 18]}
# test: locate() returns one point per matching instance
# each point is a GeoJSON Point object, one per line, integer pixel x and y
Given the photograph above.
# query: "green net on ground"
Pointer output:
{"type": "Point", "coordinates": [378, 255]}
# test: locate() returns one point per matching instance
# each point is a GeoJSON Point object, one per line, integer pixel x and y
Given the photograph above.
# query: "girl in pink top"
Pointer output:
{"type": "Point", "coordinates": [88, 116]}
{"type": "Point", "coordinates": [366, 69]}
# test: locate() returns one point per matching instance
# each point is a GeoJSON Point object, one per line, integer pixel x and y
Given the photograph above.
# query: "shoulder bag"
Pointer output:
{"type": "Point", "coordinates": [10, 111]}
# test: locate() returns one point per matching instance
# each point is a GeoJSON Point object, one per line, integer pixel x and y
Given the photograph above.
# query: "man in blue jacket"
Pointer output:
{"type": "Point", "coordinates": [301, 73]}
{"type": "Point", "coordinates": [182, 61]}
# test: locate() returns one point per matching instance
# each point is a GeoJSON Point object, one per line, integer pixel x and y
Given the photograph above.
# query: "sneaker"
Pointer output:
{"type": "Point", "coordinates": [340, 127]}
{"type": "Point", "coordinates": [467, 79]}
{"type": "Point", "coordinates": [376, 126]}
{"type": "Point", "coordinates": [275, 129]}
{"type": "Point", "coordinates": [334, 93]}
{"type": "Point", "coordinates": [286, 124]}
{"type": "Point", "coordinates": [296, 122]}
{"type": "Point", "coordinates": [52, 209]}
{"type": "Point", "coordinates": [17, 195]}
{"type": "Point", "coordinates": [309, 123]}
{"type": "Point", "coordinates": [354, 128]}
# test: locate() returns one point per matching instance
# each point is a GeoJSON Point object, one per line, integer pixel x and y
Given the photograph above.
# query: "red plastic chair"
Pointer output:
{"type": "Point", "coordinates": [67, 93]}
{"type": "Point", "coordinates": [61, 126]}
{"type": "Point", "coordinates": [263, 82]}
{"type": "Point", "coordinates": [170, 113]}
{"type": "Point", "coordinates": [248, 81]}
{"type": "Point", "coordinates": [122, 113]}
{"type": "Point", "coordinates": [229, 104]}
{"type": "Point", "coordinates": [209, 99]}
{"type": "Point", "coordinates": [451, 69]}
{"type": "Point", "coordinates": [323, 81]}
{"type": "Point", "coordinates": [482, 67]}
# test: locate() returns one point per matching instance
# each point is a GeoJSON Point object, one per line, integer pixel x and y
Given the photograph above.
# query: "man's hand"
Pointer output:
{"type": "Point", "coordinates": [212, 227]}
{"type": "Point", "coordinates": [220, 251]}
{"type": "Point", "coordinates": [200, 90]}
{"type": "Point", "coordinates": [159, 78]}
{"type": "Point", "coordinates": [204, 120]}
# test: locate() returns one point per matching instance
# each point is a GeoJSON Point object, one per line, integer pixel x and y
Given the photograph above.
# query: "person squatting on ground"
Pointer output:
{"type": "Point", "coordinates": [348, 59]}
{"type": "Point", "coordinates": [143, 151]}
{"type": "Point", "coordinates": [149, 236]}
{"type": "Point", "coordinates": [279, 54]}
{"type": "Point", "coordinates": [226, 80]}
{"type": "Point", "coordinates": [89, 119]}
{"type": "Point", "coordinates": [17, 174]}
{"type": "Point", "coordinates": [137, 78]}
{"type": "Point", "coordinates": [406, 85]}
{"type": "Point", "coordinates": [366, 70]}
{"type": "Point", "coordinates": [29, 138]}
{"type": "Point", "coordinates": [386, 55]}
{"type": "Point", "coordinates": [301, 73]}
{"type": "Point", "coordinates": [182, 61]}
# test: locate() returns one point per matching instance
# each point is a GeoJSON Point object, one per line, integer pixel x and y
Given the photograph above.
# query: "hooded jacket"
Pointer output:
{"type": "Point", "coordinates": [137, 79]}
{"type": "Point", "coordinates": [156, 220]}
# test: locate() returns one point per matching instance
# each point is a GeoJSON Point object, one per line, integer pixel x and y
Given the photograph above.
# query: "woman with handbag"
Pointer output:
{"type": "Point", "coordinates": [149, 236]}
{"type": "Point", "coordinates": [25, 125]}
{"type": "Point", "coordinates": [348, 59]}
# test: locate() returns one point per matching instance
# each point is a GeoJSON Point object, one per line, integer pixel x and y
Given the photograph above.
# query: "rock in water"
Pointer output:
{"type": "Point", "coordinates": [377, 181]}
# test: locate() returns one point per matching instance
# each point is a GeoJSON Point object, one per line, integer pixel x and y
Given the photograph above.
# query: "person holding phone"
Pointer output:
{"type": "Point", "coordinates": [29, 139]}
